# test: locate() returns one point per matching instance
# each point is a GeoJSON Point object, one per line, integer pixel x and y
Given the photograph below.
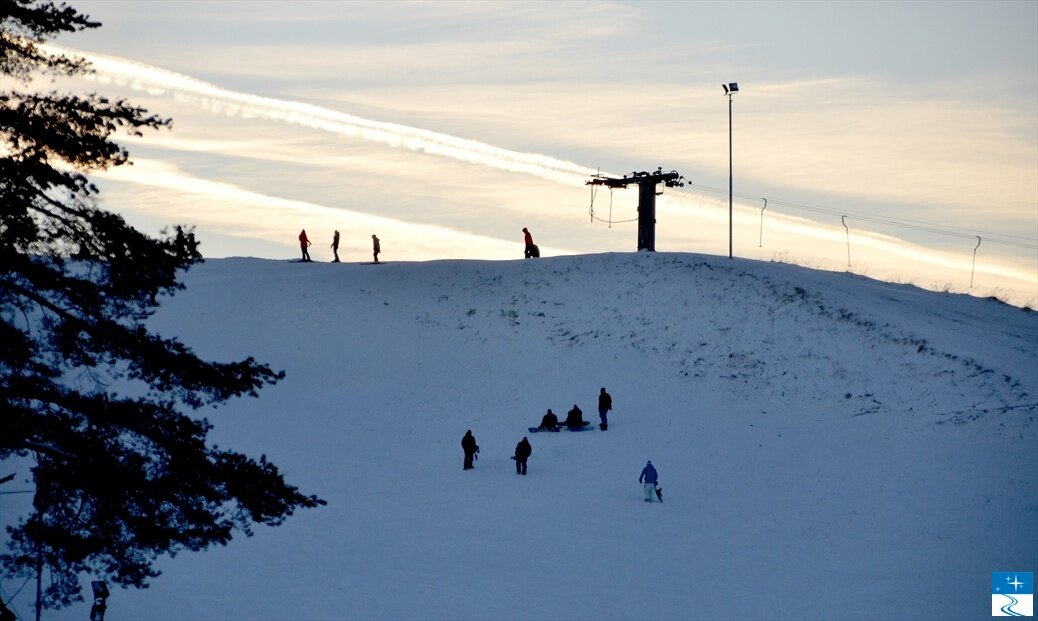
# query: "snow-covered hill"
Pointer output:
{"type": "Point", "coordinates": [829, 446]}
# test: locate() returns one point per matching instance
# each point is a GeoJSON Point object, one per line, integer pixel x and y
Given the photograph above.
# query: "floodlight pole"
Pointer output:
{"type": "Point", "coordinates": [730, 89]}
{"type": "Point", "coordinates": [730, 201]}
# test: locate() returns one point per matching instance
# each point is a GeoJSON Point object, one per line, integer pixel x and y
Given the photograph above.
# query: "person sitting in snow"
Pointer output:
{"type": "Point", "coordinates": [468, 444]}
{"type": "Point", "coordinates": [550, 421]}
{"type": "Point", "coordinates": [575, 418]}
{"type": "Point", "coordinates": [523, 450]}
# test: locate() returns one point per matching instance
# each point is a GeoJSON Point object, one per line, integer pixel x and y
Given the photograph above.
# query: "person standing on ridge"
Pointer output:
{"type": "Point", "coordinates": [523, 450]}
{"type": "Point", "coordinates": [468, 444]}
{"type": "Point", "coordinates": [648, 478]}
{"type": "Point", "coordinates": [335, 247]}
{"type": "Point", "coordinates": [605, 403]}
{"type": "Point", "coordinates": [303, 243]}
{"type": "Point", "coordinates": [531, 249]}
{"type": "Point", "coordinates": [375, 247]}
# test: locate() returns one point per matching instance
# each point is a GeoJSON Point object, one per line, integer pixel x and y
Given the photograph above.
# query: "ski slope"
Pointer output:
{"type": "Point", "coordinates": [829, 446]}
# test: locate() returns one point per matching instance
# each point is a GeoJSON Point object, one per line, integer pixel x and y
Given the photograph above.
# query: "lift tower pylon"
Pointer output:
{"type": "Point", "coordinates": [647, 183]}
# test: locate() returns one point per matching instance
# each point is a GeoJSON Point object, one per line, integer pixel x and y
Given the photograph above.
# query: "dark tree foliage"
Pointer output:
{"type": "Point", "coordinates": [118, 480]}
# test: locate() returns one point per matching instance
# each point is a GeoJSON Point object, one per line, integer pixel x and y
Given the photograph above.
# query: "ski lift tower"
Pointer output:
{"type": "Point", "coordinates": [647, 193]}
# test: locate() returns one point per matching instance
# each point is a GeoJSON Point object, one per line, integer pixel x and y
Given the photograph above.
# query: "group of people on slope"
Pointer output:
{"type": "Point", "coordinates": [304, 245]}
{"type": "Point", "coordinates": [575, 417]}
{"type": "Point", "coordinates": [523, 450]}
{"type": "Point", "coordinates": [649, 478]}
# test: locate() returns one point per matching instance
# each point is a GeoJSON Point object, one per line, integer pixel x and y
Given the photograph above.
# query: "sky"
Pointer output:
{"type": "Point", "coordinates": [447, 127]}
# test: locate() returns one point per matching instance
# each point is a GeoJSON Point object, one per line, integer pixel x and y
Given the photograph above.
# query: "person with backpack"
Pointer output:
{"type": "Point", "coordinates": [375, 247]}
{"type": "Point", "coordinates": [648, 479]}
{"type": "Point", "coordinates": [523, 450]}
{"type": "Point", "coordinates": [468, 444]}
{"type": "Point", "coordinates": [605, 403]}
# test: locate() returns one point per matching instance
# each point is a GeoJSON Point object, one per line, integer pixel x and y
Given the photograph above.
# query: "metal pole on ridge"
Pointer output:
{"type": "Point", "coordinates": [730, 89]}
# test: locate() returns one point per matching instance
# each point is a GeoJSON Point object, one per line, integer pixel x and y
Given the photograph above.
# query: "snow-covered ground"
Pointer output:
{"type": "Point", "coordinates": [829, 446]}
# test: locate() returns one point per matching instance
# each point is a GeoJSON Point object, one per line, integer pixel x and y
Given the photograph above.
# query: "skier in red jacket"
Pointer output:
{"type": "Point", "coordinates": [531, 249]}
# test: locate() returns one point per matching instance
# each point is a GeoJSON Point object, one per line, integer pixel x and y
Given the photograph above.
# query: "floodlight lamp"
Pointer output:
{"type": "Point", "coordinates": [733, 86]}
{"type": "Point", "coordinates": [725, 87]}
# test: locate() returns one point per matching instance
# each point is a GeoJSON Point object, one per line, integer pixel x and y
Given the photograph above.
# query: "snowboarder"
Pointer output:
{"type": "Point", "coordinates": [468, 444]}
{"type": "Point", "coordinates": [531, 249]}
{"type": "Point", "coordinates": [575, 418]}
{"type": "Point", "coordinates": [648, 479]}
{"type": "Point", "coordinates": [523, 450]}
{"type": "Point", "coordinates": [375, 247]}
{"type": "Point", "coordinates": [605, 403]}
{"type": "Point", "coordinates": [550, 421]}
{"type": "Point", "coordinates": [335, 247]}
{"type": "Point", "coordinates": [303, 243]}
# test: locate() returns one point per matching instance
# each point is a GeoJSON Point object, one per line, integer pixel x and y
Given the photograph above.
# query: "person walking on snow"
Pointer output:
{"type": "Point", "coordinates": [335, 247]}
{"type": "Point", "coordinates": [303, 243]}
{"type": "Point", "coordinates": [468, 444]}
{"type": "Point", "coordinates": [523, 450]}
{"type": "Point", "coordinates": [648, 478]}
{"type": "Point", "coordinates": [375, 247]}
{"type": "Point", "coordinates": [605, 403]}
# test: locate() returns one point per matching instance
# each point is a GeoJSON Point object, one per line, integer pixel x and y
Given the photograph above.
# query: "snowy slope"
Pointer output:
{"type": "Point", "coordinates": [829, 446]}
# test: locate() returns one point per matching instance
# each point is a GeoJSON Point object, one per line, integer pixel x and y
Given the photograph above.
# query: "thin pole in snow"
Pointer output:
{"type": "Point", "coordinates": [974, 267]}
{"type": "Point", "coordinates": [760, 242]}
{"type": "Point", "coordinates": [843, 219]}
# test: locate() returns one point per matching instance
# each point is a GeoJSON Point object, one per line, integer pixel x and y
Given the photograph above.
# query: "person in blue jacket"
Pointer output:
{"type": "Point", "coordinates": [648, 478]}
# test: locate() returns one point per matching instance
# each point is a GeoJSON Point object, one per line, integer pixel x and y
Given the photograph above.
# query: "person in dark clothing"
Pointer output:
{"type": "Point", "coordinates": [605, 403]}
{"type": "Point", "coordinates": [335, 247]}
{"type": "Point", "coordinates": [375, 247]}
{"type": "Point", "coordinates": [575, 418]}
{"type": "Point", "coordinates": [304, 243]}
{"type": "Point", "coordinates": [523, 450]}
{"type": "Point", "coordinates": [468, 444]}
{"type": "Point", "coordinates": [550, 421]}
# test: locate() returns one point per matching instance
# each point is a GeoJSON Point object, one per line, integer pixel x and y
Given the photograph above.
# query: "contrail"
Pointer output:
{"type": "Point", "coordinates": [160, 82]}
